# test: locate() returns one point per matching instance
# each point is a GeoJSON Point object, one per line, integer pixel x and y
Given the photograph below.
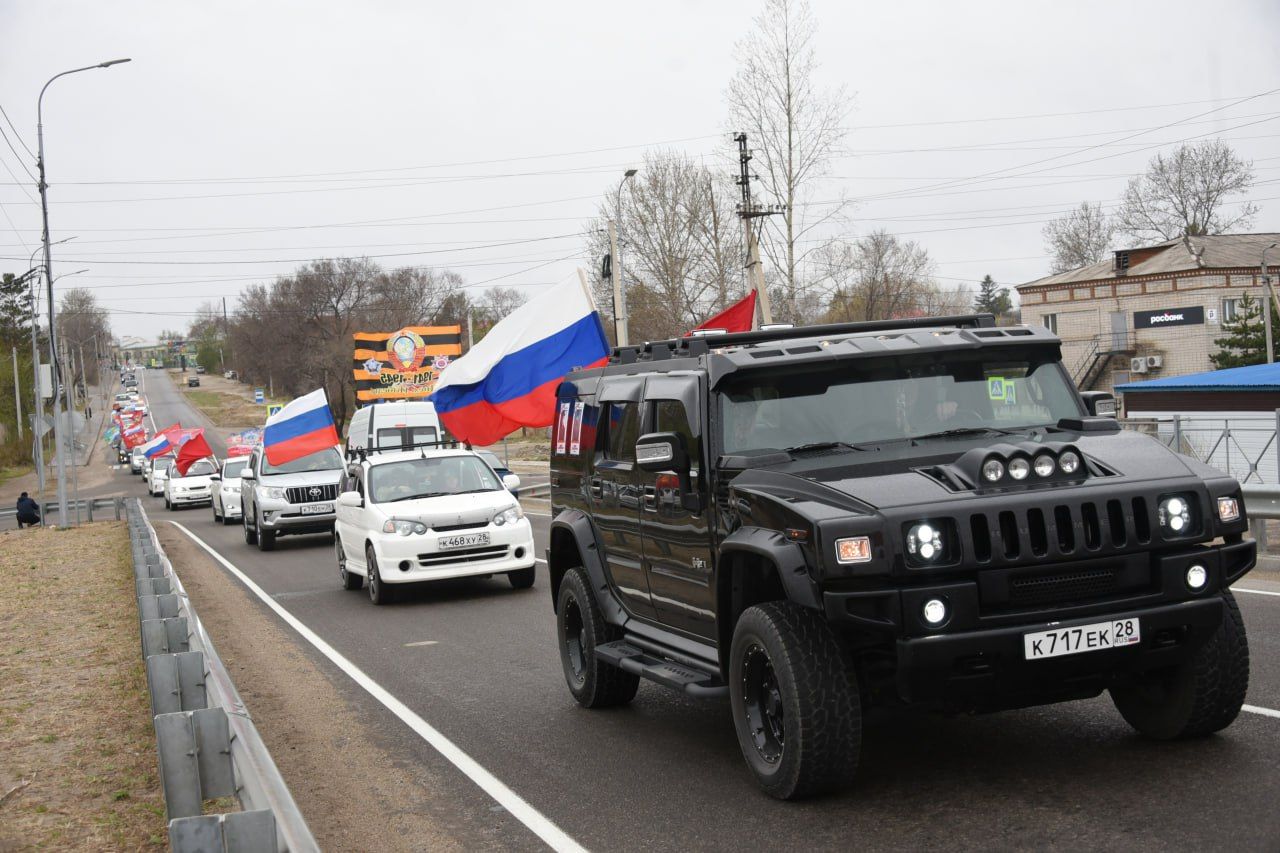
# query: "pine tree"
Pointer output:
{"type": "Point", "coordinates": [991, 298]}
{"type": "Point", "coordinates": [1244, 340]}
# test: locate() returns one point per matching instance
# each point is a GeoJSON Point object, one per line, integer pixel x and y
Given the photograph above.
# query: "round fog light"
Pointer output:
{"type": "Point", "coordinates": [1019, 468]}
{"type": "Point", "coordinates": [1044, 465]}
{"type": "Point", "coordinates": [992, 470]}
{"type": "Point", "coordinates": [934, 611]}
{"type": "Point", "coordinates": [1197, 577]}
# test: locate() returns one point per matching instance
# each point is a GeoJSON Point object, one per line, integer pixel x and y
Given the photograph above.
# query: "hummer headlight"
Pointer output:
{"type": "Point", "coordinates": [1174, 514]}
{"type": "Point", "coordinates": [924, 541]}
{"type": "Point", "coordinates": [1044, 465]}
{"type": "Point", "coordinates": [1069, 462]}
{"type": "Point", "coordinates": [1019, 468]}
{"type": "Point", "coordinates": [992, 470]}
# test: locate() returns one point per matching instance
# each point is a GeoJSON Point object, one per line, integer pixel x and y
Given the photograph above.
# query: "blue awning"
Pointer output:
{"type": "Point", "coordinates": [1255, 377]}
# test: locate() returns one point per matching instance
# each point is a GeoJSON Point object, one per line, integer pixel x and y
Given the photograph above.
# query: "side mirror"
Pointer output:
{"type": "Point", "coordinates": [510, 482]}
{"type": "Point", "coordinates": [247, 474]}
{"type": "Point", "coordinates": [662, 451]}
{"type": "Point", "coordinates": [350, 499]}
{"type": "Point", "coordinates": [215, 478]}
{"type": "Point", "coordinates": [1099, 403]}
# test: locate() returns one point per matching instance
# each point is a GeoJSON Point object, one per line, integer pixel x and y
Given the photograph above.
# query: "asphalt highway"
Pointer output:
{"type": "Point", "coordinates": [478, 662]}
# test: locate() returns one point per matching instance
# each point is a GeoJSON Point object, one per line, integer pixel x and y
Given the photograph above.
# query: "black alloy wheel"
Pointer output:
{"type": "Point", "coordinates": [762, 701]}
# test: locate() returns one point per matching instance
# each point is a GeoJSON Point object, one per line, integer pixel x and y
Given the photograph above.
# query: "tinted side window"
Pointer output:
{"type": "Point", "coordinates": [622, 431]}
{"type": "Point", "coordinates": [669, 416]}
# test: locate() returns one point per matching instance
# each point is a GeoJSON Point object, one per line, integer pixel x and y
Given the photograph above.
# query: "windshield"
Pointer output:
{"type": "Point", "coordinates": [200, 468]}
{"type": "Point", "coordinates": [323, 460]}
{"type": "Point", "coordinates": [878, 400]}
{"type": "Point", "coordinates": [492, 458]}
{"type": "Point", "coordinates": [233, 467]}
{"type": "Point", "coordinates": [429, 478]}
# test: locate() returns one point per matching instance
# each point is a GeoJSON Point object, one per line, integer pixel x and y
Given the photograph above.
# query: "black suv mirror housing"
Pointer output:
{"type": "Point", "coordinates": [662, 451]}
{"type": "Point", "coordinates": [1099, 403]}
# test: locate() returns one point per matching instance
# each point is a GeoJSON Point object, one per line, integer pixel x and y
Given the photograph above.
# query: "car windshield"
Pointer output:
{"type": "Point", "coordinates": [429, 478]}
{"type": "Point", "coordinates": [324, 460]}
{"type": "Point", "coordinates": [201, 468]}
{"type": "Point", "coordinates": [878, 400]}
{"type": "Point", "coordinates": [233, 467]}
{"type": "Point", "coordinates": [492, 458]}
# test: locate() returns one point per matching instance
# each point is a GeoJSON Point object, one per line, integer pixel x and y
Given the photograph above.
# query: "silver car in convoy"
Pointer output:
{"type": "Point", "coordinates": [226, 490]}
{"type": "Point", "coordinates": [297, 497]}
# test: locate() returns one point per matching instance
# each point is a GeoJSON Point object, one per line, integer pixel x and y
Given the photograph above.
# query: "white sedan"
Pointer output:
{"type": "Point", "coordinates": [226, 491]}
{"type": "Point", "coordinates": [194, 487]}
{"type": "Point", "coordinates": [156, 472]}
{"type": "Point", "coordinates": [407, 516]}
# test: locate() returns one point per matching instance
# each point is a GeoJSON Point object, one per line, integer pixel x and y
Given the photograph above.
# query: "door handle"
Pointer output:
{"type": "Point", "coordinates": [651, 498]}
{"type": "Point", "coordinates": [596, 487]}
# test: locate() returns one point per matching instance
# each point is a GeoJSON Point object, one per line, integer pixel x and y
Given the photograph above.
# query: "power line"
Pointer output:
{"type": "Point", "coordinates": [16, 135]}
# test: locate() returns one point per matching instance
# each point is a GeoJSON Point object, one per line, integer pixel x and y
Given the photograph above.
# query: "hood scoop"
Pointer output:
{"type": "Point", "coordinates": [1006, 466]}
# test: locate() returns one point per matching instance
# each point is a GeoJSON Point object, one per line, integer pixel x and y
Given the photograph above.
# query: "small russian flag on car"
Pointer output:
{"type": "Point", "coordinates": [302, 427]}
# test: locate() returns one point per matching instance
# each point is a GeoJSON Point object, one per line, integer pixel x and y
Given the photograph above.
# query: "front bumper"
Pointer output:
{"type": "Point", "coordinates": [201, 496]}
{"type": "Point", "coordinates": [414, 558]}
{"type": "Point", "coordinates": [230, 503]}
{"type": "Point", "coordinates": [286, 518]}
{"type": "Point", "coordinates": [976, 660]}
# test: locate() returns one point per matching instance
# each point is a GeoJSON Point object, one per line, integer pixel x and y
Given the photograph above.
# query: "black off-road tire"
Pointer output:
{"type": "Point", "coordinates": [522, 578]}
{"type": "Point", "coordinates": [250, 535]}
{"type": "Point", "coordinates": [350, 580]}
{"type": "Point", "coordinates": [266, 538]}
{"type": "Point", "coordinates": [816, 690]}
{"type": "Point", "coordinates": [1199, 697]}
{"type": "Point", "coordinates": [580, 628]}
{"type": "Point", "coordinates": [167, 505]}
{"type": "Point", "coordinates": [217, 519]}
{"type": "Point", "coordinates": [379, 592]}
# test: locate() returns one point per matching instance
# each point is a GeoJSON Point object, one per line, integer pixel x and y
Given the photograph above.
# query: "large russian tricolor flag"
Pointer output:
{"type": "Point", "coordinates": [157, 446]}
{"type": "Point", "coordinates": [509, 379]}
{"type": "Point", "coordinates": [302, 427]}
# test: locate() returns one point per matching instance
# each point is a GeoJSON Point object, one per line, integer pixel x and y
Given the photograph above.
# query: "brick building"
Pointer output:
{"type": "Point", "coordinates": [1148, 312]}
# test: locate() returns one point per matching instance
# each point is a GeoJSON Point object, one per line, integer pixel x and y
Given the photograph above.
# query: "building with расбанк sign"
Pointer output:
{"type": "Point", "coordinates": [1149, 312]}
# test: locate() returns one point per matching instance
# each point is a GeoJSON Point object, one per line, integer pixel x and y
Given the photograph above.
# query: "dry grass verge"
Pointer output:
{"type": "Point", "coordinates": [77, 746]}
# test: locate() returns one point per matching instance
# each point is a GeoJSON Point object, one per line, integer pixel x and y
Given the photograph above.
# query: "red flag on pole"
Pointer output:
{"type": "Point", "coordinates": [738, 317]}
{"type": "Point", "coordinates": [192, 449]}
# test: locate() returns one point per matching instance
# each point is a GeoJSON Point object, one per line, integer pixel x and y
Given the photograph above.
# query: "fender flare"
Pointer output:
{"type": "Point", "coordinates": [787, 556]}
{"type": "Point", "coordinates": [576, 524]}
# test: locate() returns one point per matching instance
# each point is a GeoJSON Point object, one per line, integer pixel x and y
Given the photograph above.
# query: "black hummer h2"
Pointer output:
{"type": "Point", "coordinates": [816, 520]}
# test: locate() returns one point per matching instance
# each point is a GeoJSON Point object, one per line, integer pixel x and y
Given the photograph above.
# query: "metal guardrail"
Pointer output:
{"type": "Point", "coordinates": [82, 508]}
{"type": "Point", "coordinates": [1261, 502]}
{"type": "Point", "coordinates": [209, 747]}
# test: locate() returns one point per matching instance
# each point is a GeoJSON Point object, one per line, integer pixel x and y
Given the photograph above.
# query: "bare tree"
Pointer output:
{"type": "Point", "coordinates": [877, 277]}
{"type": "Point", "coordinates": [1080, 238]}
{"type": "Point", "coordinates": [794, 129]}
{"type": "Point", "coordinates": [1185, 193]}
{"type": "Point", "coordinates": [82, 324]}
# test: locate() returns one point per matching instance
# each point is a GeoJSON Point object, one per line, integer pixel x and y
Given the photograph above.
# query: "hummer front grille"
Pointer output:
{"type": "Point", "coordinates": [1062, 531]}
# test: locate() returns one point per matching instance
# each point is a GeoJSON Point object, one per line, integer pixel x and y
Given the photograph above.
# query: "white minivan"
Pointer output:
{"type": "Point", "coordinates": [396, 423]}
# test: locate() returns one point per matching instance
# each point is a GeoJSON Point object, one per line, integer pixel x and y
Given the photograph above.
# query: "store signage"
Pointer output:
{"type": "Point", "coordinates": [1192, 316]}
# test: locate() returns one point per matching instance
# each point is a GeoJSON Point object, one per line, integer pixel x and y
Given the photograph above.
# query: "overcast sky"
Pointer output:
{"type": "Point", "coordinates": [246, 136]}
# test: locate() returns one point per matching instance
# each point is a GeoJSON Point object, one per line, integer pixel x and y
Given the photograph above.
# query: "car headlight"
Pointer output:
{"type": "Point", "coordinates": [510, 515]}
{"type": "Point", "coordinates": [273, 493]}
{"type": "Point", "coordinates": [403, 526]}
{"type": "Point", "coordinates": [234, 488]}
{"type": "Point", "coordinates": [924, 541]}
{"type": "Point", "coordinates": [1174, 514]}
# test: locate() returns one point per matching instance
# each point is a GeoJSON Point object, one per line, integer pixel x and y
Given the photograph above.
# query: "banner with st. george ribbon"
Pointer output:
{"type": "Point", "coordinates": [404, 364]}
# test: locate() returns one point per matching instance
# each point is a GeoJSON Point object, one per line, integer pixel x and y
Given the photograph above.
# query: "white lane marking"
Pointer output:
{"type": "Point", "coordinates": [537, 823]}
{"type": "Point", "coordinates": [421, 643]}
{"type": "Point", "coordinates": [1254, 591]}
{"type": "Point", "coordinates": [1266, 712]}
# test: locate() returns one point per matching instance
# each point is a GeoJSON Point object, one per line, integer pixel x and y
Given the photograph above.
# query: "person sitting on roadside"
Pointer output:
{"type": "Point", "coordinates": [28, 511]}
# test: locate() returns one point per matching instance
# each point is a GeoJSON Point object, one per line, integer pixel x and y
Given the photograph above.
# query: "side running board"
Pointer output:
{"type": "Point", "coordinates": [629, 658]}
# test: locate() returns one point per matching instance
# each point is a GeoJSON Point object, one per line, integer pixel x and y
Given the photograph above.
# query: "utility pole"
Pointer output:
{"type": "Point", "coordinates": [471, 331]}
{"type": "Point", "coordinates": [1268, 299]}
{"type": "Point", "coordinates": [37, 407]}
{"type": "Point", "coordinates": [747, 211]}
{"type": "Point", "coordinates": [620, 325]}
{"type": "Point", "coordinates": [226, 334]}
{"type": "Point", "coordinates": [17, 393]}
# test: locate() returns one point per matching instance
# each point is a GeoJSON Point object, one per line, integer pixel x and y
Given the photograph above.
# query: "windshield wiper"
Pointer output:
{"type": "Point", "coordinates": [821, 445]}
{"type": "Point", "coordinates": [418, 496]}
{"type": "Point", "coordinates": [947, 433]}
{"type": "Point", "coordinates": [473, 491]}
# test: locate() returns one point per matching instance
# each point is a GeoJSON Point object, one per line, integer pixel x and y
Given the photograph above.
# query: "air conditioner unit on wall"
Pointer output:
{"type": "Point", "coordinates": [1138, 365]}
{"type": "Point", "coordinates": [1155, 362]}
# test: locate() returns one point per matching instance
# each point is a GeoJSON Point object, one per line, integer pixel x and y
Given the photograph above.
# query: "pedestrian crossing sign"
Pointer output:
{"type": "Point", "coordinates": [274, 408]}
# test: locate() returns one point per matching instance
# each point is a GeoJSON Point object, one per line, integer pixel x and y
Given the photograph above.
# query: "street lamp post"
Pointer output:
{"type": "Point", "coordinates": [37, 408]}
{"type": "Point", "coordinates": [615, 255]}
{"type": "Point", "coordinates": [60, 448]}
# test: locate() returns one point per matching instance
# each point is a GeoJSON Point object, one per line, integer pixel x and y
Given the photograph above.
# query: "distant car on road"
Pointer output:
{"type": "Point", "coordinates": [226, 491]}
{"type": "Point", "coordinates": [195, 487]}
{"type": "Point", "coordinates": [421, 515]}
{"type": "Point", "coordinates": [230, 374]}
{"type": "Point", "coordinates": [193, 381]}
{"type": "Point", "coordinates": [137, 461]}
{"type": "Point", "coordinates": [200, 368]}
{"type": "Point", "coordinates": [157, 473]}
